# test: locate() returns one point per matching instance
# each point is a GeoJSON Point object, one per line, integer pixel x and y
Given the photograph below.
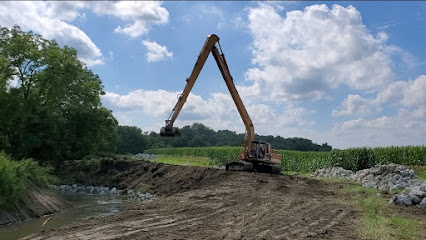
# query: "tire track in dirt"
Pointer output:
{"type": "Point", "coordinates": [202, 203]}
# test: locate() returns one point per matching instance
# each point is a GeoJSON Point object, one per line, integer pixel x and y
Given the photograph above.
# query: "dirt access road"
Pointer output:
{"type": "Point", "coordinates": [207, 203]}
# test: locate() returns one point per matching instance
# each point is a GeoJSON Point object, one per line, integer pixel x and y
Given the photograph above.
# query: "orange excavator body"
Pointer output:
{"type": "Point", "coordinates": [256, 155]}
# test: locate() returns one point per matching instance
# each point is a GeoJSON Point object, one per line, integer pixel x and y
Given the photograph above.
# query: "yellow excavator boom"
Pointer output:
{"type": "Point", "coordinates": [256, 155]}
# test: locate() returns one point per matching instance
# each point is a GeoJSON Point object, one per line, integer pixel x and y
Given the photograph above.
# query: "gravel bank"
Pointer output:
{"type": "Point", "coordinates": [388, 177]}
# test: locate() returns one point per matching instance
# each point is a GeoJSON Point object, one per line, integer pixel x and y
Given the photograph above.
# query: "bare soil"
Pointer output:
{"type": "Point", "coordinates": [37, 202]}
{"type": "Point", "coordinates": [207, 203]}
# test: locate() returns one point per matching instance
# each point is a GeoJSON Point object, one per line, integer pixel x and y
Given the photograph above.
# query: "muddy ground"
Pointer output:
{"type": "Point", "coordinates": [207, 203]}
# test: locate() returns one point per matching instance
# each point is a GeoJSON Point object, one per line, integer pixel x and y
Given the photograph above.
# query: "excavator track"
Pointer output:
{"type": "Point", "coordinates": [266, 168]}
{"type": "Point", "coordinates": [243, 166]}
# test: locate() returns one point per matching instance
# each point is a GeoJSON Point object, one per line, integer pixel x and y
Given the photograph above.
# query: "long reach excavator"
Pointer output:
{"type": "Point", "coordinates": [256, 156]}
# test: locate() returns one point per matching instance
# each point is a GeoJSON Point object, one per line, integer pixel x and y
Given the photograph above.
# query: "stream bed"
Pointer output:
{"type": "Point", "coordinates": [85, 207]}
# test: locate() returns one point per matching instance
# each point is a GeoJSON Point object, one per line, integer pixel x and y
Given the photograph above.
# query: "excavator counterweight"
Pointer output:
{"type": "Point", "coordinates": [256, 156]}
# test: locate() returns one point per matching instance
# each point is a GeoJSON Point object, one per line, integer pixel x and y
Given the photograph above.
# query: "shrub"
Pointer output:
{"type": "Point", "coordinates": [17, 176]}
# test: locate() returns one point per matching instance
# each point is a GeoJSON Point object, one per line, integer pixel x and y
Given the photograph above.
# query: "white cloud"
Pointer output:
{"type": "Point", "coordinates": [157, 103]}
{"type": "Point", "coordinates": [213, 11]}
{"type": "Point", "coordinates": [356, 105]}
{"type": "Point", "coordinates": [49, 19]}
{"type": "Point", "coordinates": [53, 21]}
{"type": "Point", "coordinates": [156, 52]}
{"type": "Point", "coordinates": [142, 15]}
{"type": "Point", "coordinates": [407, 126]}
{"type": "Point", "coordinates": [398, 93]}
{"type": "Point", "coordinates": [217, 112]}
{"type": "Point", "coordinates": [309, 52]}
{"type": "Point", "coordinates": [404, 128]}
{"type": "Point", "coordinates": [405, 93]}
{"type": "Point", "coordinates": [65, 10]}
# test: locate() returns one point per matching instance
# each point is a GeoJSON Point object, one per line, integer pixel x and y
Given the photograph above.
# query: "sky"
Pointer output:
{"type": "Point", "coordinates": [347, 73]}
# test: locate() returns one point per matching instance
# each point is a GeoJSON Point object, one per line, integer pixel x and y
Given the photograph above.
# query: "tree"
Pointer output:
{"type": "Point", "coordinates": [198, 135]}
{"type": "Point", "coordinates": [51, 105]}
{"type": "Point", "coordinates": [131, 140]}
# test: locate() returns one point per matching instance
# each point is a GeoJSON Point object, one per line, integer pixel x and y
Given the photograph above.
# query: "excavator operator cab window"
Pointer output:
{"type": "Point", "coordinates": [262, 150]}
{"type": "Point", "coordinates": [258, 150]}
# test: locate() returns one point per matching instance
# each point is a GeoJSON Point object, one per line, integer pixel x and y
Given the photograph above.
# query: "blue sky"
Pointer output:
{"type": "Point", "coordinates": [346, 73]}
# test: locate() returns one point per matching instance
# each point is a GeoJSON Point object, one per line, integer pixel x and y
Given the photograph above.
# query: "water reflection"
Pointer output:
{"type": "Point", "coordinates": [85, 206]}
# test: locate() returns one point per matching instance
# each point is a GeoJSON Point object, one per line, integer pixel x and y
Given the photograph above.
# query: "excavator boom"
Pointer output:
{"type": "Point", "coordinates": [256, 156]}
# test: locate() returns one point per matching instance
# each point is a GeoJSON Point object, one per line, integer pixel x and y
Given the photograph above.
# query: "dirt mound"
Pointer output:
{"type": "Point", "coordinates": [165, 180]}
{"type": "Point", "coordinates": [160, 179]}
{"type": "Point", "coordinates": [205, 203]}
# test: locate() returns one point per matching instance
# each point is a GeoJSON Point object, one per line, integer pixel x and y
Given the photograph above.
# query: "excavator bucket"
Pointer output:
{"type": "Point", "coordinates": [169, 132]}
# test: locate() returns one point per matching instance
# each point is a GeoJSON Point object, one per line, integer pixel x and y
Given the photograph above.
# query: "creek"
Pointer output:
{"type": "Point", "coordinates": [84, 207]}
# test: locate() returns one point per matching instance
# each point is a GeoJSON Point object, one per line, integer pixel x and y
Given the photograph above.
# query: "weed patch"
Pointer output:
{"type": "Point", "coordinates": [17, 176]}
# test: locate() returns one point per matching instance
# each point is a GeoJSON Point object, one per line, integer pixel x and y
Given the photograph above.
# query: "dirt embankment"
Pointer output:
{"type": "Point", "coordinates": [36, 203]}
{"type": "Point", "coordinates": [206, 203]}
{"type": "Point", "coordinates": [160, 179]}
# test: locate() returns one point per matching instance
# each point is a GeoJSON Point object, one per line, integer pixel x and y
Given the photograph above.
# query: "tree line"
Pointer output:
{"type": "Point", "coordinates": [51, 109]}
{"type": "Point", "coordinates": [133, 140]}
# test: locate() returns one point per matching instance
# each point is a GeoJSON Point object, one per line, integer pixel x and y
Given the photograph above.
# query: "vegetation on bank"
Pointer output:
{"type": "Point", "coordinates": [18, 176]}
{"type": "Point", "coordinates": [352, 159]}
{"type": "Point", "coordinates": [378, 221]}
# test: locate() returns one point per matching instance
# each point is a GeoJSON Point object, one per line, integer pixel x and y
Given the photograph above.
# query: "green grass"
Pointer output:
{"type": "Point", "coordinates": [17, 176]}
{"type": "Point", "coordinates": [143, 189]}
{"type": "Point", "coordinates": [183, 160]}
{"type": "Point", "coordinates": [294, 173]}
{"type": "Point", "coordinates": [377, 221]}
{"type": "Point", "coordinates": [420, 171]}
{"type": "Point", "coordinates": [296, 161]}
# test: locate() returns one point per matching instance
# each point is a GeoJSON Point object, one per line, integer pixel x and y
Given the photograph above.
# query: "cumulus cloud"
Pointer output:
{"type": "Point", "coordinates": [306, 53]}
{"type": "Point", "coordinates": [50, 20]}
{"type": "Point", "coordinates": [156, 52]}
{"type": "Point", "coordinates": [142, 15]}
{"type": "Point", "coordinates": [356, 105]}
{"type": "Point", "coordinates": [404, 128]}
{"type": "Point", "coordinates": [407, 126]}
{"type": "Point", "coordinates": [216, 111]}
{"type": "Point", "coordinates": [405, 93]}
{"type": "Point", "coordinates": [408, 94]}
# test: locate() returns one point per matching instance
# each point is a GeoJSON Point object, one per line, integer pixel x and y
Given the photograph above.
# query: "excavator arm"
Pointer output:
{"type": "Point", "coordinates": [256, 156]}
{"type": "Point", "coordinates": [209, 46]}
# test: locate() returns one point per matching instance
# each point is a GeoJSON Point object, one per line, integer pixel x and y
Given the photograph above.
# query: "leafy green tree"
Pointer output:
{"type": "Point", "coordinates": [131, 140]}
{"type": "Point", "coordinates": [198, 135]}
{"type": "Point", "coordinates": [51, 105]}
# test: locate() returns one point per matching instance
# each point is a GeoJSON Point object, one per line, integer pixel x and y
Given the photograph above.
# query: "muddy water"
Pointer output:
{"type": "Point", "coordinates": [85, 207]}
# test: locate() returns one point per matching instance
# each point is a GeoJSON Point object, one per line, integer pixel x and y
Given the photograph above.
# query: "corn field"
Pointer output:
{"type": "Point", "coordinates": [352, 159]}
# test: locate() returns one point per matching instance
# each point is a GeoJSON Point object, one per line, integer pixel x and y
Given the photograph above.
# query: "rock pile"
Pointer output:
{"type": "Point", "coordinates": [100, 190]}
{"type": "Point", "coordinates": [388, 177]}
{"type": "Point", "coordinates": [87, 189]}
{"type": "Point", "coordinates": [334, 172]}
{"type": "Point", "coordinates": [417, 195]}
{"type": "Point", "coordinates": [145, 156]}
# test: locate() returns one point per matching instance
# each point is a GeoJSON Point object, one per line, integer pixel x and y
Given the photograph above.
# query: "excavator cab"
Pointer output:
{"type": "Point", "coordinates": [258, 150]}
{"type": "Point", "coordinates": [257, 156]}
